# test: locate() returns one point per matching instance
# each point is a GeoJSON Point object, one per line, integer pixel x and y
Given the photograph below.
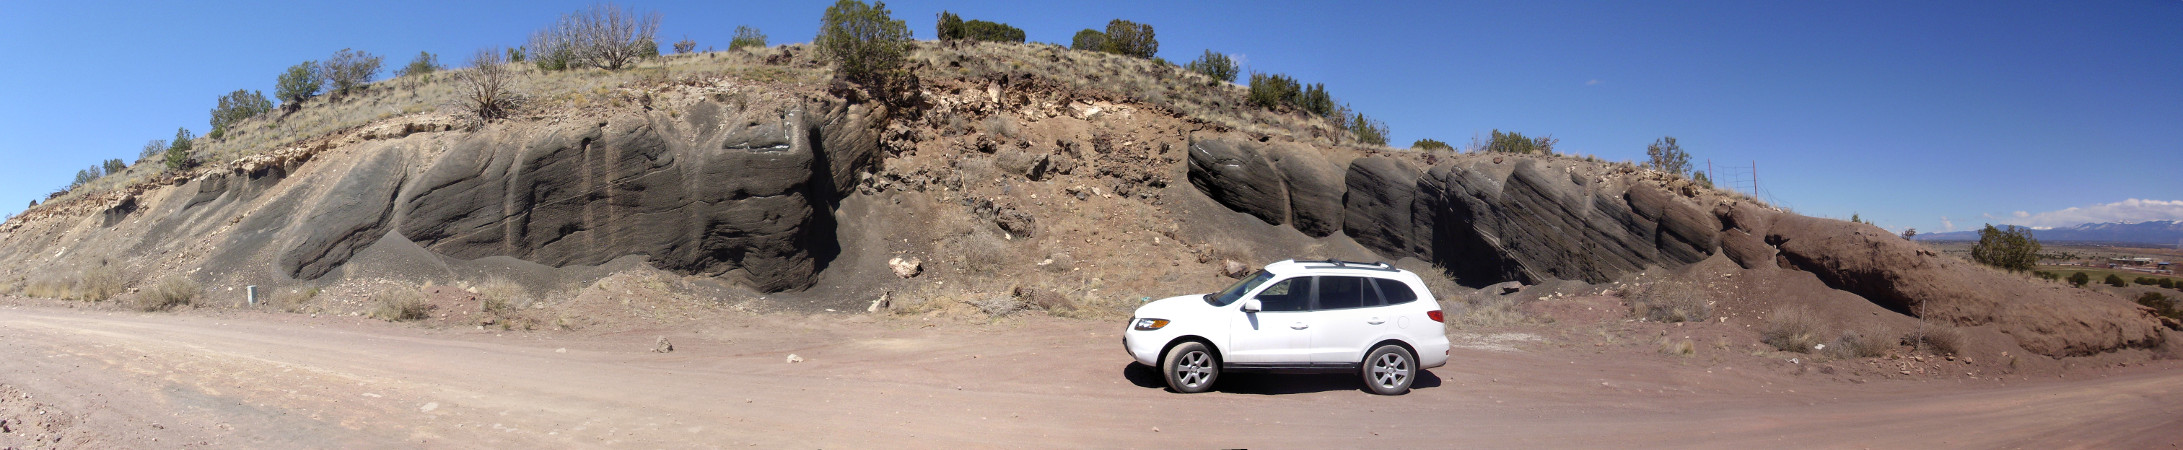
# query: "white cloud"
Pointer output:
{"type": "Point", "coordinates": [1946, 224]}
{"type": "Point", "coordinates": [2126, 211]}
{"type": "Point", "coordinates": [1591, 83]}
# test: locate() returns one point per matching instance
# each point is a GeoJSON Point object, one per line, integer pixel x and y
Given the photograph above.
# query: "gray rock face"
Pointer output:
{"type": "Point", "coordinates": [1315, 188]}
{"type": "Point", "coordinates": [725, 192]}
{"type": "Point", "coordinates": [1236, 174]}
{"type": "Point", "coordinates": [1381, 194]}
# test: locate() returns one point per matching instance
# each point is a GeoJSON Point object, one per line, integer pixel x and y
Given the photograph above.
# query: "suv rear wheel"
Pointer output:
{"type": "Point", "coordinates": [1190, 368]}
{"type": "Point", "coordinates": [1389, 370]}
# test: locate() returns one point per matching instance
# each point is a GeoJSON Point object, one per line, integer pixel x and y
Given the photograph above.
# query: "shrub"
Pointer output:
{"type": "Point", "coordinates": [2144, 281]}
{"type": "Point", "coordinates": [1907, 232]}
{"type": "Point", "coordinates": [603, 36]}
{"type": "Point", "coordinates": [1792, 329]}
{"type": "Point", "coordinates": [300, 82]}
{"type": "Point", "coordinates": [1273, 91]}
{"type": "Point", "coordinates": [747, 37]}
{"type": "Point", "coordinates": [1665, 156]}
{"type": "Point", "coordinates": [685, 45]}
{"type": "Point", "coordinates": [552, 48]}
{"type": "Point", "coordinates": [178, 152]}
{"type": "Point", "coordinates": [396, 305]}
{"type": "Point", "coordinates": [2161, 305]}
{"type": "Point", "coordinates": [515, 55]}
{"type": "Point", "coordinates": [1216, 65]}
{"type": "Point", "coordinates": [1431, 144]}
{"type": "Point", "coordinates": [2012, 249]}
{"type": "Point", "coordinates": [1671, 301]}
{"type": "Point", "coordinates": [114, 166]}
{"type": "Point", "coordinates": [1701, 179]}
{"type": "Point", "coordinates": [1368, 131]}
{"type": "Point", "coordinates": [1853, 344]}
{"type": "Point", "coordinates": [2080, 279]}
{"type": "Point", "coordinates": [2167, 283]}
{"type": "Point", "coordinates": [349, 70]}
{"type": "Point", "coordinates": [949, 27]}
{"type": "Point", "coordinates": [83, 177]}
{"type": "Point", "coordinates": [2115, 281]}
{"type": "Point", "coordinates": [1514, 142]}
{"type": "Point", "coordinates": [424, 64]}
{"type": "Point", "coordinates": [485, 85]}
{"type": "Point", "coordinates": [953, 28]}
{"type": "Point", "coordinates": [152, 149]}
{"type": "Point", "coordinates": [234, 108]}
{"type": "Point", "coordinates": [98, 284]}
{"type": "Point", "coordinates": [865, 41]}
{"type": "Point", "coordinates": [1939, 339]}
{"type": "Point", "coordinates": [501, 296]}
{"type": "Point", "coordinates": [1131, 39]}
{"type": "Point", "coordinates": [170, 293]}
{"type": "Point", "coordinates": [1089, 40]}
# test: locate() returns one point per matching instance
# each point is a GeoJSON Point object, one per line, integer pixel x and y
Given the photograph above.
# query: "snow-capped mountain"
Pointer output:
{"type": "Point", "coordinates": [2159, 232]}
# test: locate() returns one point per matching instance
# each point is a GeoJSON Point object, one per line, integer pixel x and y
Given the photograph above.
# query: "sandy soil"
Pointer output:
{"type": "Point", "coordinates": [88, 378]}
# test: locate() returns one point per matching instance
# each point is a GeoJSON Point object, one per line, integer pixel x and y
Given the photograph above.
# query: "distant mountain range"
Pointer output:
{"type": "Point", "coordinates": [2162, 233]}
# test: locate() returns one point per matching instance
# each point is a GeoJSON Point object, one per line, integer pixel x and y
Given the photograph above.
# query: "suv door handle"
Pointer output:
{"type": "Point", "coordinates": [1298, 326]}
{"type": "Point", "coordinates": [1375, 321]}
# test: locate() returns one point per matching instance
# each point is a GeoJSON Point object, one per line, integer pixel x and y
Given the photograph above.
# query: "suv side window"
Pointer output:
{"type": "Point", "coordinates": [1344, 293]}
{"type": "Point", "coordinates": [1292, 294]}
{"type": "Point", "coordinates": [1397, 292]}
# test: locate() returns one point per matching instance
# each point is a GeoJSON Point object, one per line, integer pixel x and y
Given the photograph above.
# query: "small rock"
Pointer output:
{"type": "Point", "coordinates": [880, 304]}
{"type": "Point", "coordinates": [906, 268]}
{"type": "Point", "coordinates": [792, 358]}
{"type": "Point", "coordinates": [1233, 269]}
{"type": "Point", "coordinates": [561, 350]}
{"type": "Point", "coordinates": [662, 346]}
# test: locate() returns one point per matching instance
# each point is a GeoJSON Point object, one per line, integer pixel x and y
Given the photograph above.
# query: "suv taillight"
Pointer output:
{"type": "Point", "coordinates": [1435, 314]}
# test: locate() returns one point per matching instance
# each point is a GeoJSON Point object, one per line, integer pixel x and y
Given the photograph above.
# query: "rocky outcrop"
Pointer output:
{"type": "Point", "coordinates": [1314, 185]}
{"type": "Point", "coordinates": [1235, 173]}
{"type": "Point", "coordinates": [1380, 196]}
{"type": "Point", "coordinates": [1907, 278]}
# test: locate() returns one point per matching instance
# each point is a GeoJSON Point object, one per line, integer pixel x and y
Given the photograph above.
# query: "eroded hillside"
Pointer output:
{"type": "Point", "coordinates": [1003, 177]}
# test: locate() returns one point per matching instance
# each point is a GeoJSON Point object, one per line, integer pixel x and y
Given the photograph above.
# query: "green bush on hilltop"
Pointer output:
{"type": "Point", "coordinates": [865, 41]}
{"type": "Point", "coordinates": [1089, 40]}
{"type": "Point", "coordinates": [349, 70]}
{"type": "Point", "coordinates": [235, 107]}
{"type": "Point", "coordinates": [178, 152]}
{"type": "Point", "coordinates": [1216, 65]}
{"type": "Point", "coordinates": [747, 37]}
{"type": "Point", "coordinates": [1131, 39]}
{"type": "Point", "coordinates": [114, 166]}
{"type": "Point", "coordinates": [2012, 248]}
{"type": "Point", "coordinates": [300, 82]}
{"type": "Point", "coordinates": [1514, 142]}
{"type": "Point", "coordinates": [2080, 279]}
{"type": "Point", "coordinates": [1431, 144]}
{"type": "Point", "coordinates": [1666, 156]}
{"type": "Point", "coordinates": [953, 28]}
{"type": "Point", "coordinates": [424, 64]}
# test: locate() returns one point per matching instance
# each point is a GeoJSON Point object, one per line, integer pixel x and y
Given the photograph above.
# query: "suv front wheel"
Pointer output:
{"type": "Point", "coordinates": [1190, 367]}
{"type": "Point", "coordinates": [1389, 370]}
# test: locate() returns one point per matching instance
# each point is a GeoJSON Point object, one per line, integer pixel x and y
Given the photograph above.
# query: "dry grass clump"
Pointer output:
{"type": "Point", "coordinates": [1853, 344]}
{"type": "Point", "coordinates": [500, 296]}
{"type": "Point", "coordinates": [49, 287]}
{"type": "Point", "coordinates": [1670, 301]}
{"type": "Point", "coordinates": [1940, 339]}
{"type": "Point", "coordinates": [1488, 311]}
{"type": "Point", "coordinates": [396, 305]}
{"type": "Point", "coordinates": [1793, 329]}
{"type": "Point", "coordinates": [169, 293]}
{"type": "Point", "coordinates": [295, 300]}
{"type": "Point", "coordinates": [1684, 347]}
{"type": "Point", "coordinates": [98, 284]}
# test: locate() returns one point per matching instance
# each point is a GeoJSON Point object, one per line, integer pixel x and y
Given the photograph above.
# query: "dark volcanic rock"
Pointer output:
{"type": "Point", "coordinates": [349, 216]}
{"type": "Point", "coordinates": [1381, 194]}
{"type": "Point", "coordinates": [1315, 188]}
{"type": "Point", "coordinates": [1236, 174]}
{"type": "Point", "coordinates": [734, 197]}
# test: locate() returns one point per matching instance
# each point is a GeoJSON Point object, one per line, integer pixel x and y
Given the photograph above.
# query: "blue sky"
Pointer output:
{"type": "Point", "coordinates": [1911, 114]}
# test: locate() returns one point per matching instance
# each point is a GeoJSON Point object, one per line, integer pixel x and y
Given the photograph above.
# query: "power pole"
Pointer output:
{"type": "Point", "coordinates": [1754, 178]}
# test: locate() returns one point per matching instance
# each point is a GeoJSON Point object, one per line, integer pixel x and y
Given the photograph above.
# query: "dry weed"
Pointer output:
{"type": "Point", "coordinates": [1938, 338]}
{"type": "Point", "coordinates": [1793, 329]}
{"type": "Point", "coordinates": [98, 284]}
{"type": "Point", "coordinates": [1855, 344]}
{"type": "Point", "coordinates": [1683, 347]}
{"type": "Point", "coordinates": [400, 304]}
{"type": "Point", "coordinates": [169, 293]}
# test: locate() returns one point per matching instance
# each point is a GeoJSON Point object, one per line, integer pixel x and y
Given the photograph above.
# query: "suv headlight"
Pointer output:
{"type": "Point", "coordinates": [1149, 324]}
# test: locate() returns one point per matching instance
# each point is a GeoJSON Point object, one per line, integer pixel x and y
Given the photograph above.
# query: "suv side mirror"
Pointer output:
{"type": "Point", "coordinates": [1251, 305]}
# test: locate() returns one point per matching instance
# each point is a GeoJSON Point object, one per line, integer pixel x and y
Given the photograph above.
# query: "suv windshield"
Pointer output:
{"type": "Point", "coordinates": [1236, 291]}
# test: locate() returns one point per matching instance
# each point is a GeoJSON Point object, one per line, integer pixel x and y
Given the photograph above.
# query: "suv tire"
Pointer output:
{"type": "Point", "coordinates": [1191, 367]}
{"type": "Point", "coordinates": [1389, 370]}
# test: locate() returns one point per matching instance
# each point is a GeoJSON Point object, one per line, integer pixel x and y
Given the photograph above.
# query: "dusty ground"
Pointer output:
{"type": "Point", "coordinates": [222, 378]}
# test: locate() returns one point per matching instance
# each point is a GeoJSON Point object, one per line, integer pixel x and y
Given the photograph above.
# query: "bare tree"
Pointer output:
{"type": "Point", "coordinates": [486, 84]}
{"type": "Point", "coordinates": [610, 37]}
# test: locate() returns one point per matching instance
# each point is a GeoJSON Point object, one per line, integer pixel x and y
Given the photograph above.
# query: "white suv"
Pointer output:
{"type": "Point", "coordinates": [1296, 316]}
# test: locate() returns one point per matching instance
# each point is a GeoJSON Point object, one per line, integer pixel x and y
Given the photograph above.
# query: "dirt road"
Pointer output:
{"type": "Point", "coordinates": [80, 378]}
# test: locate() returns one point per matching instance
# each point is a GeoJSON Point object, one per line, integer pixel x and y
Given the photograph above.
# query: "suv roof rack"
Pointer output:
{"type": "Point", "coordinates": [1340, 264]}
